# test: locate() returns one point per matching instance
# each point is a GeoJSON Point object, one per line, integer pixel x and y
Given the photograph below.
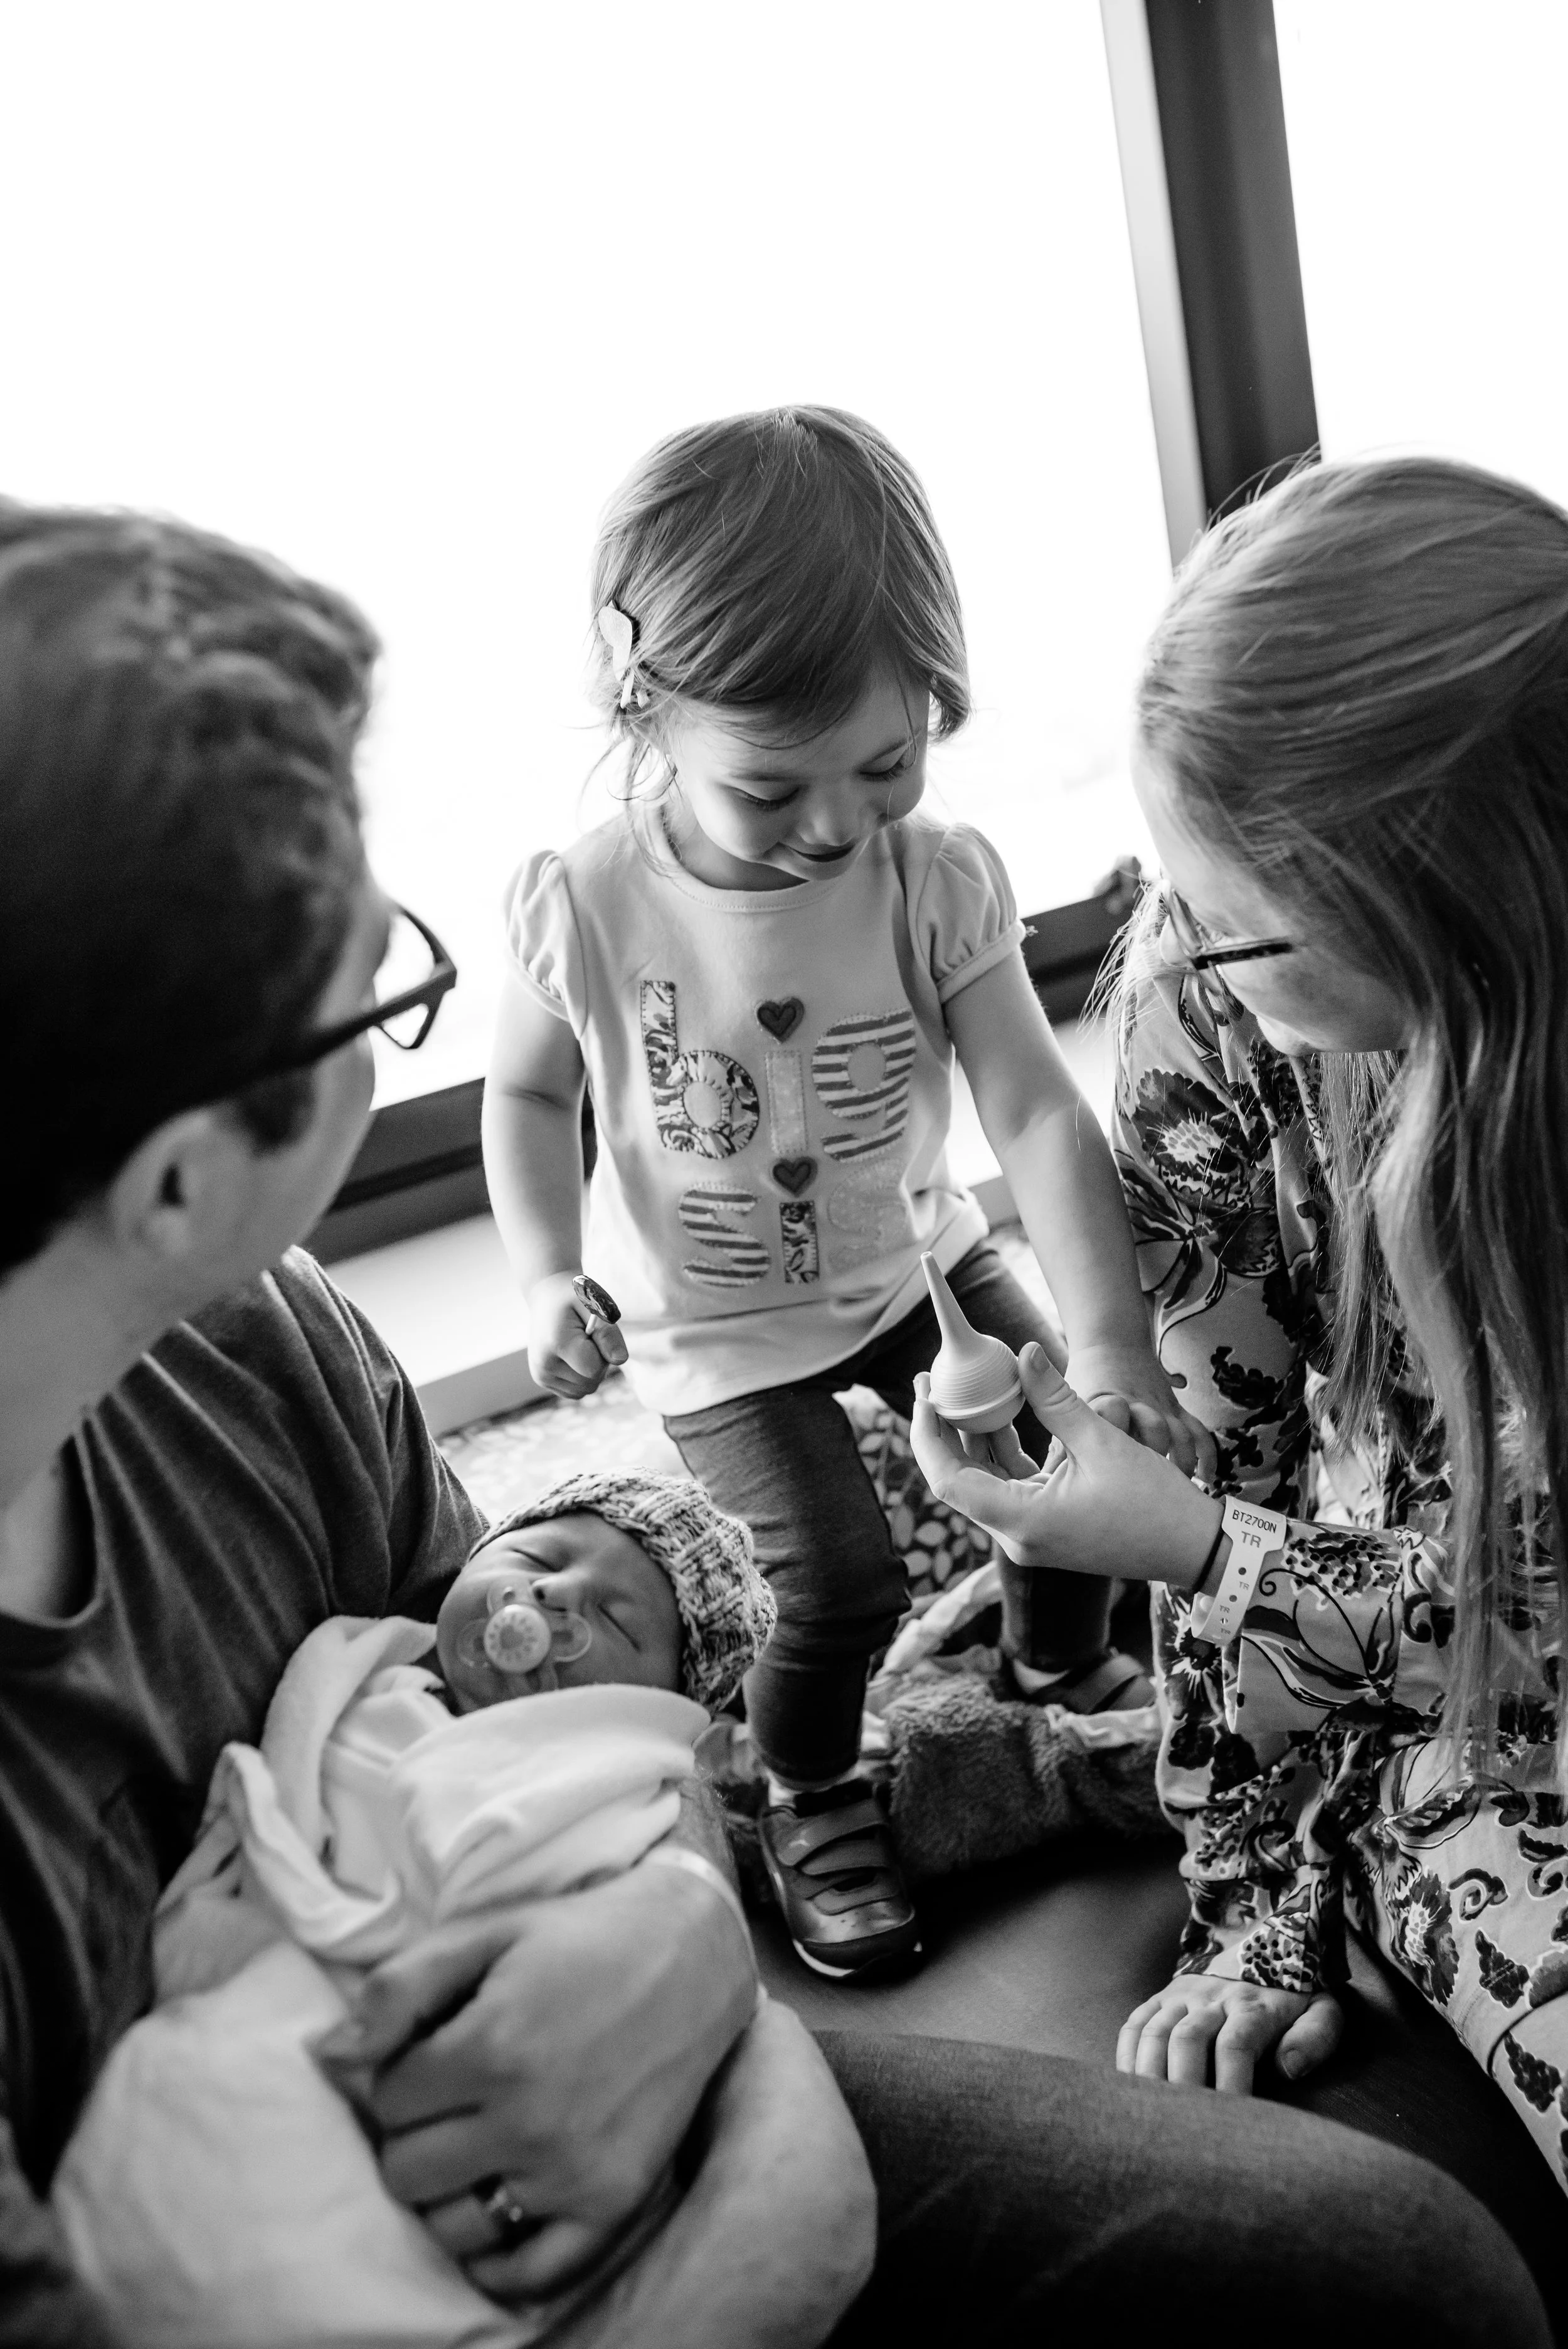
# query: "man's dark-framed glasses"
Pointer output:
{"type": "Point", "coordinates": [1200, 952]}
{"type": "Point", "coordinates": [415, 972]}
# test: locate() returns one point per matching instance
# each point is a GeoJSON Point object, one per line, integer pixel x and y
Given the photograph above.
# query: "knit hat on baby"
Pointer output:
{"type": "Point", "coordinates": [727, 1609]}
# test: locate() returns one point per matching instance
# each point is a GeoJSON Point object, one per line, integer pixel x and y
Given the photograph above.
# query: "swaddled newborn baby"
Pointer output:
{"type": "Point", "coordinates": [219, 2189]}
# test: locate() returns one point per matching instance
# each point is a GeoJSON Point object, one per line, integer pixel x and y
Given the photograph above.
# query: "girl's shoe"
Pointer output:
{"type": "Point", "coordinates": [1111, 1682]}
{"type": "Point", "coordinates": [830, 1858]}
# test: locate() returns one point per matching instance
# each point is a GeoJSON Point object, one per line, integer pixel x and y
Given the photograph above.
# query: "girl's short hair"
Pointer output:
{"type": "Point", "coordinates": [774, 563]}
{"type": "Point", "coordinates": [1359, 693]}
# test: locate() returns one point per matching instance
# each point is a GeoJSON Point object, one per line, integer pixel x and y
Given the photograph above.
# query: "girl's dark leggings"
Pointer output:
{"type": "Point", "coordinates": [787, 1460]}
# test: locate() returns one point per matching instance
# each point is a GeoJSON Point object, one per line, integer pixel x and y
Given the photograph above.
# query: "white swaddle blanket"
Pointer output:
{"type": "Point", "coordinates": [219, 2191]}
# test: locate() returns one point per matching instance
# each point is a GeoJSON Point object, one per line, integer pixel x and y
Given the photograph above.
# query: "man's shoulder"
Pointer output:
{"type": "Point", "coordinates": [294, 1296]}
{"type": "Point", "coordinates": [287, 1380]}
{"type": "Point", "coordinates": [290, 1329]}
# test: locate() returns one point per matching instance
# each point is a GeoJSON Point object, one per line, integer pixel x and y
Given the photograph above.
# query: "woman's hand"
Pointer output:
{"type": "Point", "coordinates": [1129, 1387]}
{"type": "Point", "coordinates": [1105, 1504]}
{"type": "Point", "coordinates": [1204, 2030]}
{"type": "Point", "coordinates": [562, 1356]}
{"type": "Point", "coordinates": [585, 2031]}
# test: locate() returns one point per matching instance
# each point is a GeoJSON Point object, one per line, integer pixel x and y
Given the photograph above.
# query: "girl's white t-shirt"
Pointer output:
{"type": "Point", "coordinates": [772, 1085]}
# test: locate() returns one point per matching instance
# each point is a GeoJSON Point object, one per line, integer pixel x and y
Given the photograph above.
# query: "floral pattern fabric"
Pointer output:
{"type": "Point", "coordinates": [1301, 1761]}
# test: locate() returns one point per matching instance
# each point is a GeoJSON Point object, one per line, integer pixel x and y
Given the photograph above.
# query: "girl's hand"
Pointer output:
{"type": "Point", "coordinates": [1203, 2031]}
{"type": "Point", "coordinates": [562, 1356]}
{"type": "Point", "coordinates": [1129, 1387]}
{"type": "Point", "coordinates": [1106, 1505]}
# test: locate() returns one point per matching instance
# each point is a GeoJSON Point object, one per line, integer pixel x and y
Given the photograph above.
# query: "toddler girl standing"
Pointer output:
{"type": "Point", "coordinates": [764, 970]}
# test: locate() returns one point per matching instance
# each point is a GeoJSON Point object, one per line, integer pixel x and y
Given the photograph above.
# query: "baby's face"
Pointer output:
{"type": "Point", "coordinates": [583, 1564]}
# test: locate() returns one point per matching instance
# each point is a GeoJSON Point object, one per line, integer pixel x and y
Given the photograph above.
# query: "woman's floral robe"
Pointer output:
{"type": "Point", "coordinates": [1300, 1760]}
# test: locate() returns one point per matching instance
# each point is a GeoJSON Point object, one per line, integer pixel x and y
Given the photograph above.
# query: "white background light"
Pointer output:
{"type": "Point", "coordinates": [1431, 209]}
{"type": "Point", "coordinates": [402, 291]}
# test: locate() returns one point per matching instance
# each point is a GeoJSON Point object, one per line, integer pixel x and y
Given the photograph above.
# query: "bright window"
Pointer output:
{"type": "Point", "coordinates": [1431, 175]}
{"type": "Point", "coordinates": [401, 291]}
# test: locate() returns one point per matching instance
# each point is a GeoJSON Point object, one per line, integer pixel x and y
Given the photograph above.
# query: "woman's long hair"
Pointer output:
{"type": "Point", "coordinates": [1360, 692]}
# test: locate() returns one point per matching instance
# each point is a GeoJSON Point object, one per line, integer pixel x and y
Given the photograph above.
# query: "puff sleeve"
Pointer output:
{"type": "Point", "coordinates": [966, 920]}
{"type": "Point", "coordinates": [542, 940]}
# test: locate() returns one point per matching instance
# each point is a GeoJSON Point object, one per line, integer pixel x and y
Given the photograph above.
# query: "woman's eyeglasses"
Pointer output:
{"type": "Point", "coordinates": [415, 973]}
{"type": "Point", "coordinates": [1200, 952]}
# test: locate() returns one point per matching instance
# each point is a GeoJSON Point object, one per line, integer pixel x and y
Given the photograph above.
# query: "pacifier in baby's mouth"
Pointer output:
{"type": "Point", "coordinates": [512, 1642]}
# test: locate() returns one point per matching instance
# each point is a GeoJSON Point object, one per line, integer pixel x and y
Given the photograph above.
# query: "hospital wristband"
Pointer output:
{"type": "Point", "coordinates": [692, 1863]}
{"type": "Point", "coordinates": [1254, 1535]}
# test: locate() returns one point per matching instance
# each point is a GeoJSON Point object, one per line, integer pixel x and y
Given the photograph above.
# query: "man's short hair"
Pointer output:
{"type": "Point", "coordinates": [179, 840]}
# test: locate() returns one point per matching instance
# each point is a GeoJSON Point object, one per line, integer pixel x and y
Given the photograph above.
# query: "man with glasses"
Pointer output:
{"type": "Point", "coordinates": [204, 1452]}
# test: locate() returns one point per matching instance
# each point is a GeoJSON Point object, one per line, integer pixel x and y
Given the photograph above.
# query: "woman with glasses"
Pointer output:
{"type": "Point", "coordinates": [1342, 1123]}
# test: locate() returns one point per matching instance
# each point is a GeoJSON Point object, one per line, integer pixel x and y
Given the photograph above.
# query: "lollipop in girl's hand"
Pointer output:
{"type": "Point", "coordinates": [974, 1382]}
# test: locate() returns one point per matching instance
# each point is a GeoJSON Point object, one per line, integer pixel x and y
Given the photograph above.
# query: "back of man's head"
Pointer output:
{"type": "Point", "coordinates": [180, 847]}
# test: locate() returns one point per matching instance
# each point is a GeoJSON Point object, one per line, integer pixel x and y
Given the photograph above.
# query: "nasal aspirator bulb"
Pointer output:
{"type": "Point", "coordinates": [974, 1382]}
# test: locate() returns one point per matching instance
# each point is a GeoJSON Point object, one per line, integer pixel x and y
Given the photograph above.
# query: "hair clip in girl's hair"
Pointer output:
{"type": "Point", "coordinates": [620, 634]}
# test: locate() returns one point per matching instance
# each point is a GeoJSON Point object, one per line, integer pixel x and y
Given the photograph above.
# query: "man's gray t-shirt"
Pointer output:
{"type": "Point", "coordinates": [265, 1466]}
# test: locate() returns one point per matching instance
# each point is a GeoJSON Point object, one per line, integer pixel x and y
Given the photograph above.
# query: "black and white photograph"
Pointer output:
{"type": "Point", "coordinates": [784, 1195]}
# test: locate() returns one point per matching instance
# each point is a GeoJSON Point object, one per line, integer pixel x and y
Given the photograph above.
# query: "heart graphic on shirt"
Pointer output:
{"type": "Point", "coordinates": [781, 1019]}
{"type": "Point", "coordinates": [794, 1174]}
